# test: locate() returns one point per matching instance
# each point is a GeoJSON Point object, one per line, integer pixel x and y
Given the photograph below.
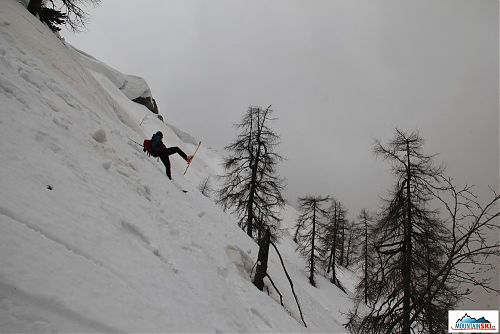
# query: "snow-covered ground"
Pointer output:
{"type": "Point", "coordinates": [94, 237]}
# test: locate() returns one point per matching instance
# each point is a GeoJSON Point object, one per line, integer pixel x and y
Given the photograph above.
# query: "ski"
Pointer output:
{"type": "Point", "coordinates": [192, 157]}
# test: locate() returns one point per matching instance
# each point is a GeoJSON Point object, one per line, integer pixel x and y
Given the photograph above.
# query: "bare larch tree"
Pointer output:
{"type": "Point", "coordinates": [309, 226]}
{"type": "Point", "coordinates": [422, 254]}
{"type": "Point", "coordinates": [349, 247]}
{"type": "Point", "coordinates": [399, 234]}
{"type": "Point", "coordinates": [367, 250]}
{"type": "Point", "coordinates": [331, 238]}
{"type": "Point", "coordinates": [251, 187]}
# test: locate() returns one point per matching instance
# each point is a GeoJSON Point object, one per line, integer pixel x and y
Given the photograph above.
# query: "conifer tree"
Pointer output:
{"type": "Point", "coordinates": [309, 225]}
{"type": "Point", "coordinates": [331, 238]}
{"type": "Point", "coordinates": [408, 286]}
{"type": "Point", "coordinates": [57, 12]}
{"type": "Point", "coordinates": [367, 250]}
{"type": "Point", "coordinates": [251, 187]}
{"type": "Point", "coordinates": [342, 231]}
{"type": "Point", "coordinates": [351, 242]}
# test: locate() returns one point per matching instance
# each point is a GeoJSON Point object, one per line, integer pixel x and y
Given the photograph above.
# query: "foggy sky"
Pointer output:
{"type": "Point", "coordinates": [338, 74]}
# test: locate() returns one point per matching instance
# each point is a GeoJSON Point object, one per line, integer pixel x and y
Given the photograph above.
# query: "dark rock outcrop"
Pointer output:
{"type": "Point", "coordinates": [148, 102]}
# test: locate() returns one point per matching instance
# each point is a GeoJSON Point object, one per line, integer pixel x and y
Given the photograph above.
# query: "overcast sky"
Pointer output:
{"type": "Point", "coordinates": [338, 73]}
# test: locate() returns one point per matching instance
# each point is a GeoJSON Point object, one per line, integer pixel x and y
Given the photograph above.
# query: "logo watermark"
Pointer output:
{"type": "Point", "coordinates": [473, 321]}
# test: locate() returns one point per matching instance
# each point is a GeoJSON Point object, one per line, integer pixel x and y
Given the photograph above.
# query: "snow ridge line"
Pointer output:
{"type": "Point", "coordinates": [74, 250]}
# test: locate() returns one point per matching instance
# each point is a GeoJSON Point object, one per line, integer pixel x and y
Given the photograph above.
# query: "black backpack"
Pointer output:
{"type": "Point", "coordinates": [156, 143]}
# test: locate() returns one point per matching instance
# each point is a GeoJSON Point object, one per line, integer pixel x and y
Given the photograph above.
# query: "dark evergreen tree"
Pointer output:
{"type": "Point", "coordinates": [53, 18]}
{"type": "Point", "coordinates": [342, 231]}
{"type": "Point", "coordinates": [351, 244]}
{"type": "Point", "coordinates": [406, 229]}
{"type": "Point", "coordinates": [57, 12]}
{"type": "Point", "coordinates": [35, 7]}
{"type": "Point", "coordinates": [251, 187]}
{"type": "Point", "coordinates": [366, 252]}
{"type": "Point", "coordinates": [309, 225]}
{"type": "Point", "coordinates": [469, 253]}
{"type": "Point", "coordinates": [331, 238]}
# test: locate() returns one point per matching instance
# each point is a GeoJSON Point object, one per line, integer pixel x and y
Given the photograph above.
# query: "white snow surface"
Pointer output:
{"type": "Point", "coordinates": [113, 245]}
{"type": "Point", "coordinates": [131, 86]}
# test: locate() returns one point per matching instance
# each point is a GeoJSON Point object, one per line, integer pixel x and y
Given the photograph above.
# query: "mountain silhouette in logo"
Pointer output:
{"type": "Point", "coordinates": [468, 319]}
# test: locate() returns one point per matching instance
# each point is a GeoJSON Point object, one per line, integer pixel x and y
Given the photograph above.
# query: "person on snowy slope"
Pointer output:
{"type": "Point", "coordinates": [156, 148]}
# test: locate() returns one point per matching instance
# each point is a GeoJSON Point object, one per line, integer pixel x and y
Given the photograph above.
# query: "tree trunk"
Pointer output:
{"type": "Point", "coordinates": [407, 249]}
{"type": "Point", "coordinates": [253, 182]}
{"type": "Point", "coordinates": [253, 165]}
{"type": "Point", "coordinates": [251, 196]}
{"type": "Point", "coordinates": [261, 270]}
{"type": "Point", "coordinates": [430, 315]}
{"type": "Point", "coordinates": [332, 252]}
{"type": "Point", "coordinates": [251, 199]}
{"type": "Point", "coordinates": [348, 250]}
{"type": "Point", "coordinates": [296, 235]}
{"type": "Point", "coordinates": [259, 230]}
{"type": "Point", "coordinates": [311, 276]}
{"type": "Point", "coordinates": [334, 247]}
{"type": "Point", "coordinates": [342, 244]}
{"type": "Point", "coordinates": [366, 261]}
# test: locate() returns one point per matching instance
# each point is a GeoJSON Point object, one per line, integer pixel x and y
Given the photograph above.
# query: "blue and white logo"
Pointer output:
{"type": "Point", "coordinates": [473, 321]}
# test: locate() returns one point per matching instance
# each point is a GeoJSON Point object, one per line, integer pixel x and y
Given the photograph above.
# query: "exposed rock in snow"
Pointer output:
{"type": "Point", "coordinates": [148, 102]}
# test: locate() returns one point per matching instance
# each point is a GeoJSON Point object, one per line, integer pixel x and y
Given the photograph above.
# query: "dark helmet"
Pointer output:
{"type": "Point", "coordinates": [159, 134]}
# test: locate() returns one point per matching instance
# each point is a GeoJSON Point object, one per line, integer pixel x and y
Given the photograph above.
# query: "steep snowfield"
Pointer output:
{"type": "Point", "coordinates": [94, 237]}
{"type": "Point", "coordinates": [130, 85]}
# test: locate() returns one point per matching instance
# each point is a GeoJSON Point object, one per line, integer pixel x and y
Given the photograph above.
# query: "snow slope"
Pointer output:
{"type": "Point", "coordinates": [131, 86]}
{"type": "Point", "coordinates": [94, 237]}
